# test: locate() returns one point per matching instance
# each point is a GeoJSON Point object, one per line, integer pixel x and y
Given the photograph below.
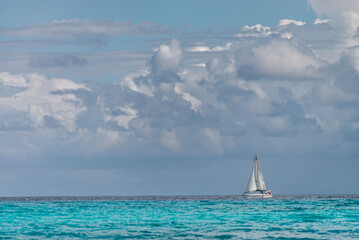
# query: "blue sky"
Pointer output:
{"type": "Point", "coordinates": [193, 16]}
{"type": "Point", "coordinates": [196, 14]}
{"type": "Point", "coordinates": [175, 97]}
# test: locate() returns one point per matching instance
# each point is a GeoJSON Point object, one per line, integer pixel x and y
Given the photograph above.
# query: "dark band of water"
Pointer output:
{"type": "Point", "coordinates": [165, 197]}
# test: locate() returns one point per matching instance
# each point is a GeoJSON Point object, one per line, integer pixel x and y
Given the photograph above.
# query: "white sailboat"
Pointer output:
{"type": "Point", "coordinates": [256, 187]}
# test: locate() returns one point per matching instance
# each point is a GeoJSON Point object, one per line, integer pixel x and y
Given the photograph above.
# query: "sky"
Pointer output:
{"type": "Point", "coordinates": [175, 97]}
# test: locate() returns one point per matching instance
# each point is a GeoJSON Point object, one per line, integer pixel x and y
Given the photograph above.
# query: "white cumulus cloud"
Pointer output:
{"type": "Point", "coordinates": [320, 21]}
{"type": "Point", "coordinates": [343, 14]}
{"type": "Point", "coordinates": [278, 59]}
{"type": "Point", "coordinates": [44, 99]}
{"type": "Point", "coordinates": [255, 31]}
{"type": "Point", "coordinates": [167, 57]}
{"type": "Point", "coordinates": [284, 22]}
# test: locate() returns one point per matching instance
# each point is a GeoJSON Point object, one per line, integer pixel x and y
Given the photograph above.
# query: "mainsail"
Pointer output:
{"type": "Point", "coordinates": [251, 182]}
{"type": "Point", "coordinates": [255, 180]}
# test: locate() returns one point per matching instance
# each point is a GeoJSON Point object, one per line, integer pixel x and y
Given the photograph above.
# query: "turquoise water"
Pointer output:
{"type": "Point", "coordinates": [218, 217]}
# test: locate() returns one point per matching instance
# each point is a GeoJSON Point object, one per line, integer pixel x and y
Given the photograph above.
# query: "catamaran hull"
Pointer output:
{"type": "Point", "coordinates": [258, 195]}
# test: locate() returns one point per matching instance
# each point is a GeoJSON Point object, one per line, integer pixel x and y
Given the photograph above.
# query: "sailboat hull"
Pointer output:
{"type": "Point", "coordinates": [257, 195]}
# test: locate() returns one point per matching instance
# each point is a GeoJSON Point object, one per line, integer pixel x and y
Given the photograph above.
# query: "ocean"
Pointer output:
{"type": "Point", "coordinates": [180, 217]}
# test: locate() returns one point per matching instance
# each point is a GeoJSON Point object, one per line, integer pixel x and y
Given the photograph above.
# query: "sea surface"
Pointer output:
{"type": "Point", "coordinates": [180, 217]}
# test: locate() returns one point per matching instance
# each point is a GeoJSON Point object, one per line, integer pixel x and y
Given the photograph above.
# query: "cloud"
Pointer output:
{"type": "Point", "coordinates": [320, 21]}
{"type": "Point", "coordinates": [199, 49]}
{"type": "Point", "coordinates": [344, 14]}
{"type": "Point", "coordinates": [255, 31]}
{"type": "Point", "coordinates": [213, 135]}
{"type": "Point", "coordinates": [268, 88]}
{"type": "Point", "coordinates": [169, 139]}
{"type": "Point", "coordinates": [350, 58]}
{"type": "Point", "coordinates": [286, 35]}
{"type": "Point", "coordinates": [142, 85]}
{"type": "Point", "coordinates": [166, 58]}
{"type": "Point", "coordinates": [122, 116]}
{"type": "Point", "coordinates": [93, 33]}
{"type": "Point", "coordinates": [47, 102]}
{"type": "Point", "coordinates": [284, 22]}
{"type": "Point", "coordinates": [77, 27]}
{"type": "Point", "coordinates": [62, 60]}
{"type": "Point", "coordinates": [278, 59]}
{"type": "Point", "coordinates": [226, 47]}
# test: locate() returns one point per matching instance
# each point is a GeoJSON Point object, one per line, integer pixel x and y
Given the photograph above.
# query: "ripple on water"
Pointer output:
{"type": "Point", "coordinates": [218, 217]}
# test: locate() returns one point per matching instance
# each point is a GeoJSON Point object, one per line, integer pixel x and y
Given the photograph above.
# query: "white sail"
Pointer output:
{"type": "Point", "coordinates": [255, 179]}
{"type": "Point", "coordinates": [251, 182]}
{"type": "Point", "coordinates": [259, 176]}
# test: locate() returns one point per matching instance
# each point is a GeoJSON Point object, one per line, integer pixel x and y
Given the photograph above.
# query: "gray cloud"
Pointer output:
{"type": "Point", "coordinates": [65, 28]}
{"type": "Point", "coordinates": [92, 40]}
{"type": "Point", "coordinates": [193, 109]}
{"type": "Point", "coordinates": [84, 32]}
{"type": "Point", "coordinates": [162, 105]}
{"type": "Point", "coordinates": [279, 59]}
{"type": "Point", "coordinates": [58, 60]}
